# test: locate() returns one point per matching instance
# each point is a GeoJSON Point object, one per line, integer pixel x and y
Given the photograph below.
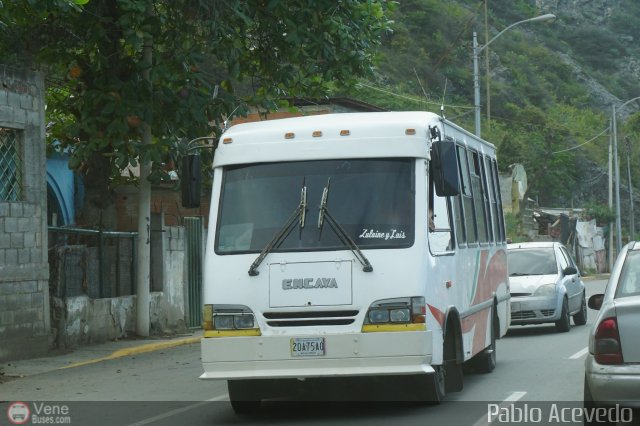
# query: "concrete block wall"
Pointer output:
{"type": "Point", "coordinates": [24, 271]}
{"type": "Point", "coordinates": [82, 319]}
{"type": "Point", "coordinates": [168, 311]}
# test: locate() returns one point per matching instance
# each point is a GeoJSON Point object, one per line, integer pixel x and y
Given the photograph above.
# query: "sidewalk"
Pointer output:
{"type": "Point", "coordinates": [596, 277]}
{"type": "Point", "coordinates": [91, 354]}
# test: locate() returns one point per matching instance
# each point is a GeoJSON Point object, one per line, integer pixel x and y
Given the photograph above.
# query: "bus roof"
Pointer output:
{"type": "Point", "coordinates": [329, 136]}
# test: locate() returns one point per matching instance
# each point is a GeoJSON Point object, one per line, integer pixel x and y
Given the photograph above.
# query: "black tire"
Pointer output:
{"type": "Point", "coordinates": [243, 398]}
{"type": "Point", "coordinates": [589, 407]}
{"type": "Point", "coordinates": [485, 361]}
{"type": "Point", "coordinates": [431, 389]}
{"type": "Point", "coordinates": [564, 323]}
{"type": "Point", "coordinates": [581, 317]}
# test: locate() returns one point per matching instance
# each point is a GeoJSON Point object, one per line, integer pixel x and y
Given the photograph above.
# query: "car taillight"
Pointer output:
{"type": "Point", "coordinates": [608, 349]}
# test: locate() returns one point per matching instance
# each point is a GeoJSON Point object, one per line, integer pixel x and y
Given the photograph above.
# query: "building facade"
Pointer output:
{"type": "Point", "coordinates": [24, 270]}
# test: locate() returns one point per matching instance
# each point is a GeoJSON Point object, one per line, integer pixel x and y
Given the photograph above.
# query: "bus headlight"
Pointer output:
{"type": "Point", "coordinates": [403, 310]}
{"type": "Point", "coordinates": [243, 321]}
{"type": "Point", "coordinates": [223, 322]}
{"type": "Point", "coordinates": [399, 315]}
{"type": "Point", "coordinates": [377, 316]}
{"type": "Point", "coordinates": [228, 318]}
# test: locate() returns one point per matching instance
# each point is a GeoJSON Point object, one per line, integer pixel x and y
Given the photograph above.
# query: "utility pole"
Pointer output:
{"type": "Point", "coordinates": [143, 293]}
{"type": "Point", "coordinates": [632, 224]}
{"type": "Point", "coordinates": [610, 196]}
{"type": "Point", "coordinates": [476, 69]}
{"type": "Point", "coordinates": [616, 166]}
{"type": "Point", "coordinates": [486, 61]}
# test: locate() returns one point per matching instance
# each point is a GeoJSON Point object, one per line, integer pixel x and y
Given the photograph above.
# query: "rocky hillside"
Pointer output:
{"type": "Point", "coordinates": [551, 84]}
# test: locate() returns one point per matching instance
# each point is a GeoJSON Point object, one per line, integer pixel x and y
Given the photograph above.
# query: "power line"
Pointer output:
{"type": "Point", "coordinates": [418, 100]}
{"type": "Point", "coordinates": [582, 144]}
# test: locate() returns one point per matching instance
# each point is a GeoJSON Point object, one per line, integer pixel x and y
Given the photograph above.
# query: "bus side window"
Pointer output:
{"type": "Point", "coordinates": [439, 217]}
{"type": "Point", "coordinates": [468, 211]}
{"type": "Point", "coordinates": [490, 200]}
{"type": "Point", "coordinates": [478, 196]}
{"type": "Point", "coordinates": [496, 183]}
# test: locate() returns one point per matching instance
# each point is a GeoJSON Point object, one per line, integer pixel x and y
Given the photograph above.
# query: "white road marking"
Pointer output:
{"type": "Point", "coordinates": [579, 354]}
{"type": "Point", "coordinates": [515, 396]}
{"type": "Point", "coordinates": [178, 411]}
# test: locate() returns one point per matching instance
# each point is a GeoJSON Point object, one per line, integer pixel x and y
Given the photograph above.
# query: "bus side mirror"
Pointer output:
{"type": "Point", "coordinates": [444, 166]}
{"type": "Point", "coordinates": [190, 181]}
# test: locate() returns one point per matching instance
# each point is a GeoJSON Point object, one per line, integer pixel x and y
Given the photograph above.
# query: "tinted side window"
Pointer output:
{"type": "Point", "coordinates": [563, 260]}
{"type": "Point", "coordinates": [478, 196]}
{"type": "Point", "coordinates": [467, 196]}
{"type": "Point", "coordinates": [499, 198]}
{"type": "Point", "coordinates": [486, 197]}
{"type": "Point", "coordinates": [568, 257]}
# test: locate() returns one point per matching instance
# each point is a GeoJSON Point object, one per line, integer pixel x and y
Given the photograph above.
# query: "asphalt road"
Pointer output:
{"type": "Point", "coordinates": [536, 366]}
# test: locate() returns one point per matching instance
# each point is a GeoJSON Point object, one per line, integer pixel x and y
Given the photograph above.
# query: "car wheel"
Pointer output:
{"type": "Point", "coordinates": [581, 317]}
{"type": "Point", "coordinates": [564, 323]}
{"type": "Point", "coordinates": [589, 407]}
{"type": "Point", "coordinates": [242, 397]}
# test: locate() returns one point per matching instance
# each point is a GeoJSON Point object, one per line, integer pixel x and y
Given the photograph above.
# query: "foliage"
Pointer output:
{"type": "Point", "coordinates": [542, 113]}
{"type": "Point", "coordinates": [597, 47]}
{"type": "Point", "coordinates": [513, 229]}
{"type": "Point", "coordinates": [625, 20]}
{"type": "Point", "coordinates": [208, 60]}
{"type": "Point", "coordinates": [602, 214]}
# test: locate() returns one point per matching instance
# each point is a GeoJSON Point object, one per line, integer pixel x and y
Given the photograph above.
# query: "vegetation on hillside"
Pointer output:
{"type": "Point", "coordinates": [544, 112]}
{"type": "Point", "coordinates": [116, 68]}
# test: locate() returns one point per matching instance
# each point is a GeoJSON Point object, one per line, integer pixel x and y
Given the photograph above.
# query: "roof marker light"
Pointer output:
{"type": "Point", "coordinates": [289, 135]}
{"type": "Point", "coordinates": [317, 134]}
{"type": "Point", "coordinates": [345, 132]}
{"type": "Point", "coordinates": [227, 140]}
{"type": "Point", "coordinates": [410, 132]}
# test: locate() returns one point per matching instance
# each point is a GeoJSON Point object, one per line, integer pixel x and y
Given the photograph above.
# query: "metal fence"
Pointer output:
{"type": "Point", "coordinates": [91, 262]}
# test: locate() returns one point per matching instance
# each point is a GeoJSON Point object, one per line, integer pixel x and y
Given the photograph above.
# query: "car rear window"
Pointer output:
{"type": "Point", "coordinates": [629, 283]}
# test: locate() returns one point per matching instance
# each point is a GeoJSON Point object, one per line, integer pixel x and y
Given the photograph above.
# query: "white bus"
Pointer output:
{"type": "Point", "coordinates": [342, 245]}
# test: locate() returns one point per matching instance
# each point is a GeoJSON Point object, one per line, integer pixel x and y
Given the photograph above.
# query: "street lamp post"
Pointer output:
{"type": "Point", "coordinates": [476, 53]}
{"type": "Point", "coordinates": [631, 215]}
{"type": "Point", "coordinates": [617, 170]}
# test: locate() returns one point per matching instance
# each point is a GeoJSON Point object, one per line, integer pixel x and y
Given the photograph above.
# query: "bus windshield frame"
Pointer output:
{"type": "Point", "coordinates": [372, 198]}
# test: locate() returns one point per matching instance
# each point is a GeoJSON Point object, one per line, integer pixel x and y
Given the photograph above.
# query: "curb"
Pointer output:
{"type": "Point", "coordinates": [149, 347]}
{"type": "Point", "coordinates": [596, 277]}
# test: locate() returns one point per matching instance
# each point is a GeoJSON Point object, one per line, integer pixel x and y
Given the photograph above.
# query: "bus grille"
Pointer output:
{"type": "Point", "coordinates": [309, 318]}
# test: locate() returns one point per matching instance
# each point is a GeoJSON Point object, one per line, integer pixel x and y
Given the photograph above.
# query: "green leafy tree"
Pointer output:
{"type": "Point", "coordinates": [209, 58]}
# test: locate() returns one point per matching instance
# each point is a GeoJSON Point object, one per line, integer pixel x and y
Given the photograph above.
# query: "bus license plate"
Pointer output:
{"type": "Point", "coordinates": [307, 346]}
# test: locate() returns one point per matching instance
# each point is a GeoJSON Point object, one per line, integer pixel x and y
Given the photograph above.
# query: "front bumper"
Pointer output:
{"type": "Point", "coordinates": [351, 354]}
{"type": "Point", "coordinates": [534, 310]}
{"type": "Point", "coordinates": [613, 384]}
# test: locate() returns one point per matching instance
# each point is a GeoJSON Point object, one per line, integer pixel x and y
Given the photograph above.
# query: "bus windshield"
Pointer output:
{"type": "Point", "coordinates": [372, 199]}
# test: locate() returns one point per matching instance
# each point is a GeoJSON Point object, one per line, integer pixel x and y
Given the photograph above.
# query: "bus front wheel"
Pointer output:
{"type": "Point", "coordinates": [243, 396]}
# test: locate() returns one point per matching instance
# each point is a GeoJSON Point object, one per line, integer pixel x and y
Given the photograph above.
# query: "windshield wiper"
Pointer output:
{"type": "Point", "coordinates": [299, 212]}
{"type": "Point", "coordinates": [339, 230]}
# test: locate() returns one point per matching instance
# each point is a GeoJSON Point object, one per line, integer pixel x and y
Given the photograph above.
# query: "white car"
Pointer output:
{"type": "Point", "coordinates": [612, 367]}
{"type": "Point", "coordinates": [545, 285]}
